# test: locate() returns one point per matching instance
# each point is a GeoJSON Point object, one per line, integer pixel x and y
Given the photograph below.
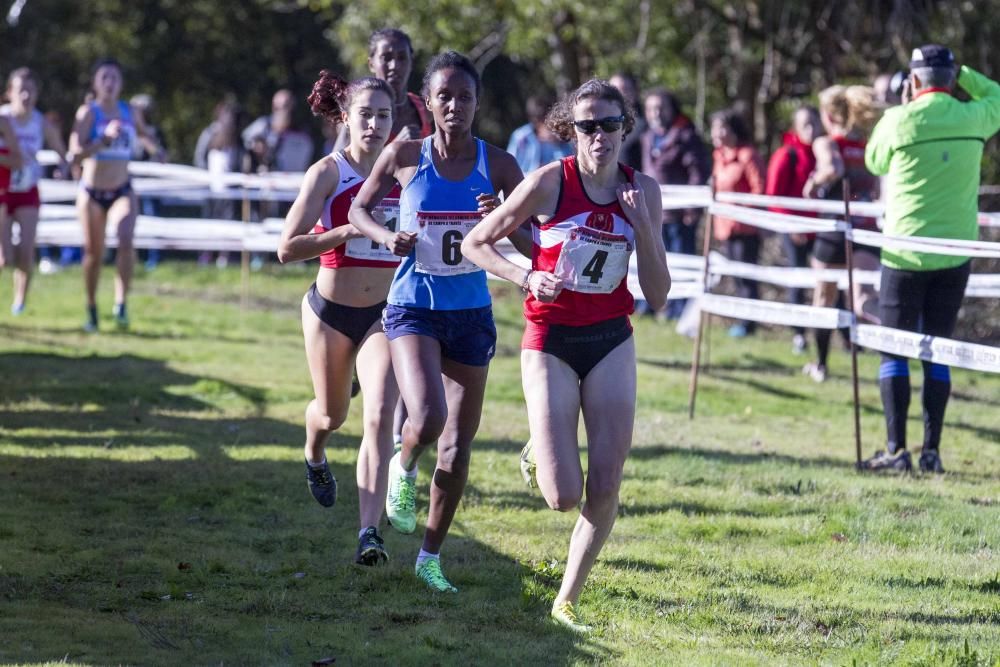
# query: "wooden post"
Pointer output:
{"type": "Point", "coordinates": [245, 255]}
{"type": "Point", "coordinates": [702, 316]}
{"type": "Point", "coordinates": [849, 252]}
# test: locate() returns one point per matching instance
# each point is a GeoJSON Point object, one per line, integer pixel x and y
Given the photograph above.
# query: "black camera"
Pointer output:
{"type": "Point", "coordinates": [898, 82]}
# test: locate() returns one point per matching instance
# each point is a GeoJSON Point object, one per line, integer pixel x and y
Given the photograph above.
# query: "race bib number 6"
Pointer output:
{"type": "Point", "coordinates": [593, 262]}
{"type": "Point", "coordinates": [387, 215]}
{"type": "Point", "coordinates": [439, 242]}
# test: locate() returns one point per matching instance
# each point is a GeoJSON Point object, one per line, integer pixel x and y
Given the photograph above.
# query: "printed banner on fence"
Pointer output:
{"type": "Point", "coordinates": [927, 348]}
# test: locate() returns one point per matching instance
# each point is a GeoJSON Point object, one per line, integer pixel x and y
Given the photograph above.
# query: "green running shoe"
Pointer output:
{"type": "Point", "coordinates": [401, 501]}
{"type": "Point", "coordinates": [430, 572]}
{"type": "Point", "coordinates": [528, 467]}
{"type": "Point", "coordinates": [565, 615]}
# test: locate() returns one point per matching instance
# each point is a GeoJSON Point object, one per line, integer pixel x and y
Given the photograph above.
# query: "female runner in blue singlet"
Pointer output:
{"type": "Point", "coordinates": [439, 318]}
{"type": "Point", "coordinates": [104, 134]}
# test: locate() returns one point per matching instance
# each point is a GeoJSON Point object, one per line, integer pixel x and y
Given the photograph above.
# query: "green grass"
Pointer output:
{"type": "Point", "coordinates": [153, 511]}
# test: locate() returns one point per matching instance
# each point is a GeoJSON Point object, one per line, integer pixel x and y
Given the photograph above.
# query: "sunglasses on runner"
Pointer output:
{"type": "Point", "coordinates": [609, 124]}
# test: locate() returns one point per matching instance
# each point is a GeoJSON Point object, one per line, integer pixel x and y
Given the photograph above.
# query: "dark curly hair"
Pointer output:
{"type": "Point", "coordinates": [560, 117]}
{"type": "Point", "coordinates": [332, 96]}
{"type": "Point", "coordinates": [452, 60]}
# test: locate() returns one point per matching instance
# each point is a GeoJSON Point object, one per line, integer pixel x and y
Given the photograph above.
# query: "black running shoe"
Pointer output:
{"type": "Point", "coordinates": [930, 461]}
{"type": "Point", "coordinates": [90, 325]}
{"type": "Point", "coordinates": [371, 548]}
{"type": "Point", "coordinates": [883, 461]}
{"type": "Point", "coordinates": [322, 484]}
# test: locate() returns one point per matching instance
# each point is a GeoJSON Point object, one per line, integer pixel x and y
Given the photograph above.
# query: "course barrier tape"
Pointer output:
{"type": "Point", "coordinates": [787, 314]}
{"type": "Point", "coordinates": [934, 245]}
{"type": "Point", "coordinates": [53, 191]}
{"type": "Point", "coordinates": [943, 351]}
{"type": "Point", "coordinates": [829, 206]}
{"type": "Point", "coordinates": [282, 186]}
{"type": "Point", "coordinates": [59, 226]}
{"type": "Point", "coordinates": [776, 222]}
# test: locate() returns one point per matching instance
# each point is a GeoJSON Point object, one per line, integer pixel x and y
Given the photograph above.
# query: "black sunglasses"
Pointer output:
{"type": "Point", "coordinates": [609, 124]}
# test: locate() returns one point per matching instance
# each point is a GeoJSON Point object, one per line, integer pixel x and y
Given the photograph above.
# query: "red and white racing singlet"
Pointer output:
{"type": "Point", "coordinates": [588, 245]}
{"type": "Point", "coordinates": [360, 251]}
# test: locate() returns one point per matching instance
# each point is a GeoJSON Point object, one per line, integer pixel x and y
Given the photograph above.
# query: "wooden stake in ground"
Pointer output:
{"type": "Point", "coordinates": [849, 252]}
{"type": "Point", "coordinates": [702, 315]}
{"type": "Point", "coordinates": [245, 255]}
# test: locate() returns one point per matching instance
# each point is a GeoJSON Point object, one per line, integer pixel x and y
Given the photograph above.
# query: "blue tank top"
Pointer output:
{"type": "Point", "coordinates": [120, 148]}
{"type": "Point", "coordinates": [435, 275]}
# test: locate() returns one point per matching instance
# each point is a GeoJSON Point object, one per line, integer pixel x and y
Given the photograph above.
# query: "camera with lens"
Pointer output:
{"type": "Point", "coordinates": [898, 82]}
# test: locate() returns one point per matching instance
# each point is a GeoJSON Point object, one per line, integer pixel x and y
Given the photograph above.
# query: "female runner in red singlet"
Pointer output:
{"type": "Point", "coordinates": [578, 354]}
{"type": "Point", "coordinates": [848, 114]}
{"type": "Point", "coordinates": [342, 310]}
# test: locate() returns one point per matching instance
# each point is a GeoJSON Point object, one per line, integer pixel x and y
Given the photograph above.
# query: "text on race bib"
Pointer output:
{"type": "Point", "coordinates": [439, 242]}
{"type": "Point", "coordinates": [593, 262]}
{"type": "Point", "coordinates": [25, 178]}
{"type": "Point", "coordinates": [387, 215]}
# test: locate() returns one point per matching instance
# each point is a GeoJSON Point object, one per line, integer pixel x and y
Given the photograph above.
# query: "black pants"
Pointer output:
{"type": "Point", "coordinates": [744, 249]}
{"type": "Point", "coordinates": [796, 256]}
{"type": "Point", "coordinates": [926, 302]}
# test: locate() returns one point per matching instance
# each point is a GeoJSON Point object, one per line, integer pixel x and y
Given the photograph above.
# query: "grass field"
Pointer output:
{"type": "Point", "coordinates": [153, 508]}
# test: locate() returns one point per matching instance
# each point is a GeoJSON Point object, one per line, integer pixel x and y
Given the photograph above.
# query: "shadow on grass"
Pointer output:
{"type": "Point", "coordinates": [981, 431]}
{"type": "Point", "coordinates": [763, 387]}
{"type": "Point", "coordinates": [209, 558]}
{"type": "Point", "coordinates": [693, 509]}
{"type": "Point", "coordinates": [730, 457]}
{"type": "Point", "coordinates": [753, 364]}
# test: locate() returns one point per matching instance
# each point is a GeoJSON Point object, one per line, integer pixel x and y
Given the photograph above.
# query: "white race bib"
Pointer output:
{"type": "Point", "coordinates": [592, 261]}
{"type": "Point", "coordinates": [25, 178]}
{"type": "Point", "coordinates": [439, 242]}
{"type": "Point", "coordinates": [387, 215]}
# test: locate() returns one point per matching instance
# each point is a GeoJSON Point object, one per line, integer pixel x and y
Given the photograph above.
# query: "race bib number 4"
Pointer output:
{"type": "Point", "coordinates": [439, 242]}
{"type": "Point", "coordinates": [593, 262]}
{"type": "Point", "coordinates": [387, 215]}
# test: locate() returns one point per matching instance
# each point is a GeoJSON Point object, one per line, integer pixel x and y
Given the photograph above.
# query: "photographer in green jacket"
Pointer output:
{"type": "Point", "coordinates": [930, 148]}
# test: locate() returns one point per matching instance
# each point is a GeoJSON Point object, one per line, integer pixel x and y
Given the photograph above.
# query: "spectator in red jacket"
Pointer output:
{"type": "Point", "coordinates": [737, 167]}
{"type": "Point", "coordinates": [787, 173]}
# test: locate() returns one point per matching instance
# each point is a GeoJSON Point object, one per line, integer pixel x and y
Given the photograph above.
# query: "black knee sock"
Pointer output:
{"type": "Point", "coordinates": [822, 345]}
{"type": "Point", "coordinates": [894, 385]}
{"type": "Point", "coordinates": [937, 389]}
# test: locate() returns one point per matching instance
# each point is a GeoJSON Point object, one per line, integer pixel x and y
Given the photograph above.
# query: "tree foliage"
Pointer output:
{"type": "Point", "coordinates": [764, 56]}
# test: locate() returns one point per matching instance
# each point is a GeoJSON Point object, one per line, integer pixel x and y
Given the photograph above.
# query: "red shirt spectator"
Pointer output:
{"type": "Point", "coordinates": [788, 171]}
{"type": "Point", "coordinates": [736, 169]}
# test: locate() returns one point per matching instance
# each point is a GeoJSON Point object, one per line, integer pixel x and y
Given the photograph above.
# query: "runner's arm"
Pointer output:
{"type": "Point", "coordinates": [642, 206]}
{"type": "Point", "coordinates": [508, 173]}
{"type": "Point", "coordinates": [535, 195]}
{"type": "Point", "coordinates": [12, 159]}
{"type": "Point", "coordinates": [395, 158]}
{"type": "Point", "coordinates": [82, 125]}
{"type": "Point", "coordinates": [297, 240]}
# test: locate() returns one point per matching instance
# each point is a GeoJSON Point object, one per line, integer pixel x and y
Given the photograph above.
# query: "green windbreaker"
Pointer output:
{"type": "Point", "coordinates": [932, 149]}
